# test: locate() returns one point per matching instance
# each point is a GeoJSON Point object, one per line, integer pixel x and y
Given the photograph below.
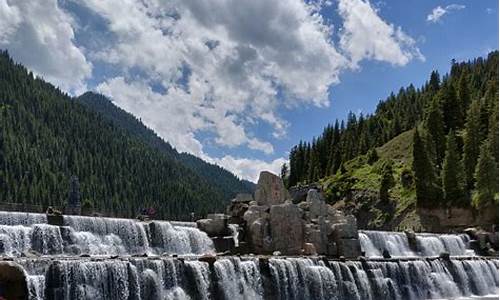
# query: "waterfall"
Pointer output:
{"type": "Point", "coordinates": [250, 278]}
{"type": "Point", "coordinates": [25, 233]}
{"type": "Point", "coordinates": [373, 243]}
{"type": "Point", "coordinates": [47, 256]}
{"type": "Point", "coordinates": [238, 279]}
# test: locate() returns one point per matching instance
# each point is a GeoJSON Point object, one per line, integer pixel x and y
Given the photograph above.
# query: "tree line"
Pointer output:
{"type": "Point", "coordinates": [46, 137]}
{"type": "Point", "coordinates": [457, 120]}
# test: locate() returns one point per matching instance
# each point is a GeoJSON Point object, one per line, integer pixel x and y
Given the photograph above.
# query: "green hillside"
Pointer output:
{"type": "Point", "coordinates": [223, 180]}
{"type": "Point", "coordinates": [46, 137]}
{"type": "Point", "coordinates": [435, 147]}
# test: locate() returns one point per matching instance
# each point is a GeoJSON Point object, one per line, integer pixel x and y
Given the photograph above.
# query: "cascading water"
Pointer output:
{"type": "Point", "coordinates": [60, 274]}
{"type": "Point", "coordinates": [21, 233]}
{"type": "Point", "coordinates": [373, 243]}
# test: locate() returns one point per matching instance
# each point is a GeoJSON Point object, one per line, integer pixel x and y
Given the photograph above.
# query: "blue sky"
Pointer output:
{"type": "Point", "coordinates": [238, 83]}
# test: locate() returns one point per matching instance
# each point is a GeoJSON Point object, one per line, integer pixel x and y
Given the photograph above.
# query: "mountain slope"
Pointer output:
{"type": "Point", "coordinates": [46, 137]}
{"type": "Point", "coordinates": [381, 170]}
{"type": "Point", "coordinates": [216, 176]}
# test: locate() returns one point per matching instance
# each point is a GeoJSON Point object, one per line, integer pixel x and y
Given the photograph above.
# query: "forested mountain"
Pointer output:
{"type": "Point", "coordinates": [218, 177]}
{"type": "Point", "coordinates": [46, 137]}
{"type": "Point", "coordinates": [455, 149]}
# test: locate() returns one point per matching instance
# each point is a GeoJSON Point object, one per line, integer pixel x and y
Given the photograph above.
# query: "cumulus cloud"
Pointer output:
{"type": "Point", "coordinates": [40, 35]}
{"type": "Point", "coordinates": [187, 67]}
{"type": "Point", "coordinates": [438, 12]}
{"type": "Point", "coordinates": [365, 35]}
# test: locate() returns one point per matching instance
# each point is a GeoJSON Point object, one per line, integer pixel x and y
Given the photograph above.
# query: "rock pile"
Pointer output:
{"type": "Point", "coordinates": [272, 223]}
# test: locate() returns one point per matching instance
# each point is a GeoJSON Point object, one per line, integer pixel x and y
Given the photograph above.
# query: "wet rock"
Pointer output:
{"type": "Point", "coordinates": [412, 240]}
{"type": "Point", "coordinates": [331, 249]}
{"type": "Point", "coordinates": [471, 232]}
{"type": "Point", "coordinates": [344, 230]}
{"type": "Point", "coordinates": [349, 248]}
{"type": "Point", "coordinates": [386, 254]}
{"type": "Point", "coordinates": [493, 239]}
{"type": "Point", "coordinates": [286, 228]}
{"type": "Point", "coordinates": [444, 255]}
{"type": "Point", "coordinates": [270, 190]}
{"type": "Point", "coordinates": [214, 225]}
{"type": "Point", "coordinates": [223, 244]}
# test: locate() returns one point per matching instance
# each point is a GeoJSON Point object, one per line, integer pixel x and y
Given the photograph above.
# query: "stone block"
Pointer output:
{"type": "Point", "coordinates": [223, 244]}
{"type": "Point", "coordinates": [213, 227]}
{"type": "Point", "coordinates": [349, 248]}
{"type": "Point", "coordinates": [270, 190]}
{"type": "Point", "coordinates": [286, 228]}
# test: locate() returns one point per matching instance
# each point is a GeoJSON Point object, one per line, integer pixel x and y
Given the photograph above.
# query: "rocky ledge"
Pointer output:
{"type": "Point", "coordinates": [269, 222]}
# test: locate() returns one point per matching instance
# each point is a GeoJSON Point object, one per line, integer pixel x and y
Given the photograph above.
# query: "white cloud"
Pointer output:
{"type": "Point", "coordinates": [9, 20]}
{"type": "Point", "coordinates": [438, 12]}
{"type": "Point", "coordinates": [250, 168]}
{"type": "Point", "coordinates": [365, 35]}
{"type": "Point", "coordinates": [40, 35]}
{"type": "Point", "coordinates": [187, 67]}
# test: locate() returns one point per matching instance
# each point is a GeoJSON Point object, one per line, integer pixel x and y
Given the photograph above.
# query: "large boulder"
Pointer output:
{"type": "Point", "coordinates": [214, 225]}
{"type": "Point", "coordinates": [317, 204]}
{"type": "Point", "coordinates": [254, 212]}
{"type": "Point", "coordinates": [270, 190]}
{"type": "Point", "coordinates": [260, 238]}
{"type": "Point", "coordinates": [343, 231]}
{"type": "Point", "coordinates": [286, 228]}
{"type": "Point", "coordinates": [236, 210]}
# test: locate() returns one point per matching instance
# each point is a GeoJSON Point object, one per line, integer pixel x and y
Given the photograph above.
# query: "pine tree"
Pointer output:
{"type": "Point", "coordinates": [486, 179]}
{"type": "Point", "coordinates": [493, 131]}
{"type": "Point", "coordinates": [428, 191]}
{"type": "Point", "coordinates": [453, 174]}
{"type": "Point", "coordinates": [387, 180]}
{"type": "Point", "coordinates": [434, 125]}
{"type": "Point", "coordinates": [284, 174]}
{"type": "Point", "coordinates": [463, 93]}
{"type": "Point", "coordinates": [434, 81]}
{"type": "Point", "coordinates": [452, 110]}
{"type": "Point", "coordinates": [472, 142]}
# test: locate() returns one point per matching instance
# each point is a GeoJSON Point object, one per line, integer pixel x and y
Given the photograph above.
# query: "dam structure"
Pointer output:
{"type": "Point", "coordinates": [273, 247]}
{"type": "Point", "coordinates": [107, 258]}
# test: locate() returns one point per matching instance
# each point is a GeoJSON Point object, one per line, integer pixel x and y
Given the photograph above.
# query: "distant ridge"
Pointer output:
{"type": "Point", "coordinates": [217, 176]}
{"type": "Point", "coordinates": [46, 137]}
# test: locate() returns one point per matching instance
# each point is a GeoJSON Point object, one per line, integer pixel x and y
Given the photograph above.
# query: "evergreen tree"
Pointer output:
{"type": "Point", "coordinates": [493, 131]}
{"type": "Point", "coordinates": [452, 110]}
{"type": "Point", "coordinates": [284, 174]}
{"type": "Point", "coordinates": [387, 180]}
{"type": "Point", "coordinates": [453, 174]}
{"type": "Point", "coordinates": [472, 142]}
{"type": "Point", "coordinates": [434, 125]}
{"type": "Point", "coordinates": [427, 189]}
{"type": "Point", "coordinates": [463, 93]}
{"type": "Point", "coordinates": [434, 81]}
{"type": "Point", "coordinates": [486, 179]}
